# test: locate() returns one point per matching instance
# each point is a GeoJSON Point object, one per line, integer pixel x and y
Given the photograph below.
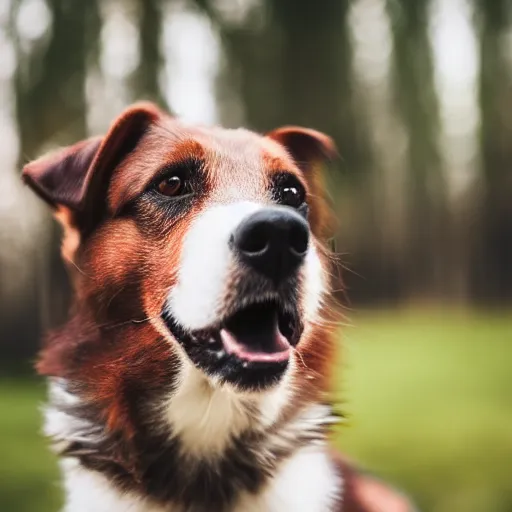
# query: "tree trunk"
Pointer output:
{"type": "Point", "coordinates": [51, 109]}
{"type": "Point", "coordinates": [145, 83]}
{"type": "Point", "coordinates": [426, 233]}
{"type": "Point", "coordinates": [492, 268]}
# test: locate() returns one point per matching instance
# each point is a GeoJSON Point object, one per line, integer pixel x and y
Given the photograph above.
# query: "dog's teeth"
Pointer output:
{"type": "Point", "coordinates": [244, 364]}
{"type": "Point", "coordinates": [220, 354]}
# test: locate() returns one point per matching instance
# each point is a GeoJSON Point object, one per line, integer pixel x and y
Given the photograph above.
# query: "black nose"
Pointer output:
{"type": "Point", "coordinates": [272, 241]}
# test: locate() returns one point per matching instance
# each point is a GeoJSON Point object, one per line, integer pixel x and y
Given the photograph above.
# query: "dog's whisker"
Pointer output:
{"type": "Point", "coordinates": [79, 269]}
{"type": "Point", "coordinates": [131, 321]}
{"type": "Point", "coordinates": [298, 352]}
{"type": "Point", "coordinates": [147, 319]}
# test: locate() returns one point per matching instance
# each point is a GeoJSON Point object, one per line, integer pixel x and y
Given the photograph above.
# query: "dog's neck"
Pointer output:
{"type": "Point", "coordinates": [206, 417]}
{"type": "Point", "coordinates": [203, 445]}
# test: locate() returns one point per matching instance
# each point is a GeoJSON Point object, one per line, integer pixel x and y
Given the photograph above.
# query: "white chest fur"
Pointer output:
{"type": "Point", "coordinates": [205, 419]}
{"type": "Point", "coordinates": [306, 482]}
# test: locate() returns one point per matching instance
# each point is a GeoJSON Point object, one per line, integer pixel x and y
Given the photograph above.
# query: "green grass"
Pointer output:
{"type": "Point", "coordinates": [430, 404]}
{"type": "Point", "coordinates": [28, 472]}
{"type": "Point", "coordinates": [428, 398]}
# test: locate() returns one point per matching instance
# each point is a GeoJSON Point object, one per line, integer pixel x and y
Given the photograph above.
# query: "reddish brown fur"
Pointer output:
{"type": "Point", "coordinates": [124, 272]}
{"type": "Point", "coordinates": [115, 341]}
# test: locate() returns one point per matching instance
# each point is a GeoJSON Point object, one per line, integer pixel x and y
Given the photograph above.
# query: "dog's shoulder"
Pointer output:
{"type": "Point", "coordinates": [363, 492]}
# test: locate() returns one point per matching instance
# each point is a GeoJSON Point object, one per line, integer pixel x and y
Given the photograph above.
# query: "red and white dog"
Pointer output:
{"type": "Point", "coordinates": [193, 370]}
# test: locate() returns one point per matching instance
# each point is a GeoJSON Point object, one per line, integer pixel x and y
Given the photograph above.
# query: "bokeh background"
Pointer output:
{"type": "Point", "coordinates": [418, 96]}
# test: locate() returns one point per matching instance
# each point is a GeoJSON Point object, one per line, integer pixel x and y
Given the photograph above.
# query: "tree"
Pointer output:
{"type": "Point", "coordinates": [51, 107]}
{"type": "Point", "coordinates": [492, 271]}
{"type": "Point", "coordinates": [417, 107]}
{"type": "Point", "coordinates": [145, 81]}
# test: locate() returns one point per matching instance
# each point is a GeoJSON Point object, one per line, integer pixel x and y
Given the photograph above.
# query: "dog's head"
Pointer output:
{"type": "Point", "coordinates": [212, 235]}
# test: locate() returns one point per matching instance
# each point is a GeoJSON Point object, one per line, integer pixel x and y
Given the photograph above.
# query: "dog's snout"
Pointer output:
{"type": "Point", "coordinates": [272, 241]}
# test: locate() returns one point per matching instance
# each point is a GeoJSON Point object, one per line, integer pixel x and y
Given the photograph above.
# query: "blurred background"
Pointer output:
{"type": "Point", "coordinates": [418, 96]}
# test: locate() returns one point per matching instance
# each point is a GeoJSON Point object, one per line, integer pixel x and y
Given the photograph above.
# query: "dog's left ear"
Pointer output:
{"type": "Point", "coordinates": [76, 178]}
{"type": "Point", "coordinates": [307, 147]}
{"type": "Point", "coordinates": [310, 149]}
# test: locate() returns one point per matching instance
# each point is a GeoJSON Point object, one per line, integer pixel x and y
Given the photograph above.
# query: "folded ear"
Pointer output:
{"type": "Point", "coordinates": [78, 175]}
{"type": "Point", "coordinates": [307, 147]}
{"type": "Point", "coordinates": [310, 148]}
{"type": "Point", "coordinates": [59, 177]}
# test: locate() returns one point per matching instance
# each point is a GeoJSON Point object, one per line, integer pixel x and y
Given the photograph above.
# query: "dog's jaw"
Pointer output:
{"type": "Point", "coordinates": [207, 416]}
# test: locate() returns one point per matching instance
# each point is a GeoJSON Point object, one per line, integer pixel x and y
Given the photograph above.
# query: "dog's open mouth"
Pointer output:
{"type": "Point", "coordinates": [260, 333]}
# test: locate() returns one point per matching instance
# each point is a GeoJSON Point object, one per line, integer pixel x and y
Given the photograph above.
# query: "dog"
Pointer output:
{"type": "Point", "coordinates": [194, 369]}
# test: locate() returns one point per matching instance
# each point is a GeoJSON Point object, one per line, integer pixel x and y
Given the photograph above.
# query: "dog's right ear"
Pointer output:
{"type": "Point", "coordinates": [76, 178]}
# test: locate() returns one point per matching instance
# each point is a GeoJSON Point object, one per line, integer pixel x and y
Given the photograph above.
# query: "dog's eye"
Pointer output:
{"type": "Point", "coordinates": [173, 186]}
{"type": "Point", "coordinates": [292, 196]}
{"type": "Point", "coordinates": [288, 191]}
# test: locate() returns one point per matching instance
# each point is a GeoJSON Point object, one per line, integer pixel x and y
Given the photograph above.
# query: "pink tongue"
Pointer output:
{"type": "Point", "coordinates": [272, 350]}
{"type": "Point", "coordinates": [253, 335]}
{"type": "Point", "coordinates": [265, 344]}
